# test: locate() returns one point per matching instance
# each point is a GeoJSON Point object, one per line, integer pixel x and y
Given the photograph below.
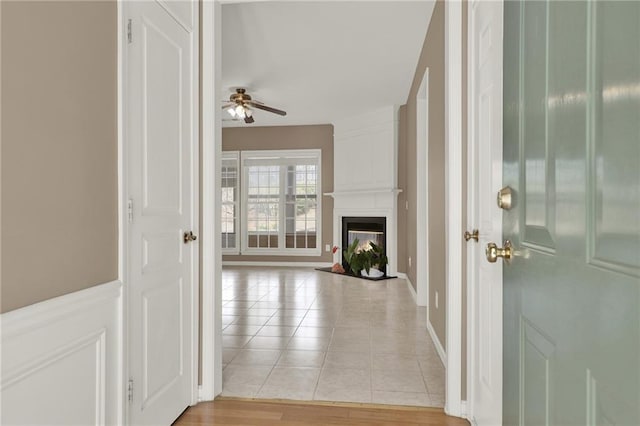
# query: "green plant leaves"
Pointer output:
{"type": "Point", "coordinates": [365, 259]}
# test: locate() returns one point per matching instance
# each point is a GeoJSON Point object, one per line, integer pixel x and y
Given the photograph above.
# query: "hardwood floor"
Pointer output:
{"type": "Point", "coordinates": [228, 411]}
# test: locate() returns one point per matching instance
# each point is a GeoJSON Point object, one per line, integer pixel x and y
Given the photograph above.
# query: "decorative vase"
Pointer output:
{"type": "Point", "coordinates": [373, 273]}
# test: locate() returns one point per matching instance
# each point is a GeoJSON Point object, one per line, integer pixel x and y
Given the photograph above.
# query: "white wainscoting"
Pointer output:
{"type": "Point", "coordinates": [62, 360]}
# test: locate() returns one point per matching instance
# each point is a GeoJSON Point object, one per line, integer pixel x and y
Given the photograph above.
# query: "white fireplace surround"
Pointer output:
{"type": "Point", "coordinates": [365, 175]}
{"type": "Point", "coordinates": [380, 203]}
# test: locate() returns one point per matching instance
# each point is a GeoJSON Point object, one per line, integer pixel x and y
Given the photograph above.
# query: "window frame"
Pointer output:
{"type": "Point", "coordinates": [283, 158]}
{"type": "Point", "coordinates": [233, 156]}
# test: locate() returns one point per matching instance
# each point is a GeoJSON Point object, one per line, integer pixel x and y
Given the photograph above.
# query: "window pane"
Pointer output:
{"type": "Point", "coordinates": [229, 194]}
{"type": "Point", "coordinates": [280, 201]}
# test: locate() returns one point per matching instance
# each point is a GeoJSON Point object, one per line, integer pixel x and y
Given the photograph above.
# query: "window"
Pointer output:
{"type": "Point", "coordinates": [280, 193]}
{"type": "Point", "coordinates": [229, 204]}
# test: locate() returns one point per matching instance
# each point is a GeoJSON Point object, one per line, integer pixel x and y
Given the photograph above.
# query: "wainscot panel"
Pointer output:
{"type": "Point", "coordinates": [62, 360]}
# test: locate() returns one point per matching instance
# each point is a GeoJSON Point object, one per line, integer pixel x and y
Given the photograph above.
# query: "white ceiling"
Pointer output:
{"type": "Point", "coordinates": [321, 60]}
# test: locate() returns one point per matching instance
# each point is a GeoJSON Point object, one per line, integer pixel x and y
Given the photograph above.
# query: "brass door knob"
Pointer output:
{"type": "Point", "coordinates": [471, 235]}
{"type": "Point", "coordinates": [189, 236]}
{"type": "Point", "coordinates": [494, 252]}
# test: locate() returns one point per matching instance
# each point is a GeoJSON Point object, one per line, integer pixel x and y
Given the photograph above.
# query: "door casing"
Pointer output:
{"type": "Point", "coordinates": [211, 252]}
{"type": "Point", "coordinates": [211, 336]}
{"type": "Point", "coordinates": [453, 205]}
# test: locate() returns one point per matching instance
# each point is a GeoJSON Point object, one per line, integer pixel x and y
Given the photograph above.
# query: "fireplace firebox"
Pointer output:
{"type": "Point", "coordinates": [365, 229]}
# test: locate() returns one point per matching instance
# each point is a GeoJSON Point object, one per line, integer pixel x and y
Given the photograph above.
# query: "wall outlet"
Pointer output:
{"type": "Point", "coordinates": [436, 300]}
{"type": "Point", "coordinates": [409, 261]}
{"type": "Point", "coordinates": [406, 205]}
{"type": "Point", "coordinates": [327, 248]}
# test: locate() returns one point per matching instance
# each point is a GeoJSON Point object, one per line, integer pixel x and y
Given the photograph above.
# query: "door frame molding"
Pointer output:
{"type": "Point", "coordinates": [422, 192]}
{"type": "Point", "coordinates": [471, 206]}
{"type": "Point", "coordinates": [453, 205]}
{"type": "Point", "coordinates": [211, 336]}
{"type": "Point", "coordinates": [211, 140]}
{"type": "Point", "coordinates": [123, 223]}
{"type": "Point", "coordinates": [472, 203]}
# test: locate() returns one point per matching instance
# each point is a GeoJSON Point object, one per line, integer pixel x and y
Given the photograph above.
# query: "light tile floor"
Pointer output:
{"type": "Point", "coordinates": [302, 334]}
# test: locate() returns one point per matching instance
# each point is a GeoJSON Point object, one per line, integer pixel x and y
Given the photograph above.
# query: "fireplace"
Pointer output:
{"type": "Point", "coordinates": [365, 229]}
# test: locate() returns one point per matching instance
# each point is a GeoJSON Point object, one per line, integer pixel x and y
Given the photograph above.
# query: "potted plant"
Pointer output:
{"type": "Point", "coordinates": [363, 261]}
{"type": "Point", "coordinates": [352, 257]}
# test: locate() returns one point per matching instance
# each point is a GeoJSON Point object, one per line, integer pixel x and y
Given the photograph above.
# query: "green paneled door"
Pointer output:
{"type": "Point", "coordinates": [572, 155]}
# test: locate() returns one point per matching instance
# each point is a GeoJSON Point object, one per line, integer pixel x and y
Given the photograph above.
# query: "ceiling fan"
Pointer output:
{"type": "Point", "coordinates": [241, 106]}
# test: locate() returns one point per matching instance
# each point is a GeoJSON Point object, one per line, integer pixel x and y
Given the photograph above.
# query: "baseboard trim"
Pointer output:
{"type": "Point", "coordinates": [463, 409]}
{"type": "Point", "coordinates": [277, 264]}
{"type": "Point", "coordinates": [441, 352]}
{"type": "Point", "coordinates": [412, 290]}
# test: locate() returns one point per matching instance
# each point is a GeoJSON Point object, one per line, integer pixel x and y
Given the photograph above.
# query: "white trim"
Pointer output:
{"type": "Point", "coordinates": [469, 417]}
{"type": "Point", "coordinates": [123, 225]}
{"type": "Point", "coordinates": [472, 199]}
{"type": "Point", "coordinates": [211, 343]}
{"type": "Point", "coordinates": [453, 202]}
{"type": "Point", "coordinates": [412, 290]}
{"type": "Point", "coordinates": [463, 409]}
{"type": "Point", "coordinates": [39, 314]}
{"type": "Point", "coordinates": [441, 351]}
{"type": "Point", "coordinates": [40, 340]}
{"type": "Point", "coordinates": [422, 192]}
{"type": "Point", "coordinates": [195, 202]}
{"type": "Point", "coordinates": [277, 264]}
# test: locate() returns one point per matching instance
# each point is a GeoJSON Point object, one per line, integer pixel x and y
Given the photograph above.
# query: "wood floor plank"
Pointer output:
{"type": "Point", "coordinates": [251, 412]}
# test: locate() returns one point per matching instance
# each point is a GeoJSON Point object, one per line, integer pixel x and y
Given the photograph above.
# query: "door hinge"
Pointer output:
{"type": "Point", "coordinates": [130, 391]}
{"type": "Point", "coordinates": [130, 210]}
{"type": "Point", "coordinates": [129, 37]}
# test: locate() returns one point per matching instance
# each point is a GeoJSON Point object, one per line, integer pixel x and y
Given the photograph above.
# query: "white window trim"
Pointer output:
{"type": "Point", "coordinates": [235, 156]}
{"type": "Point", "coordinates": [290, 153]}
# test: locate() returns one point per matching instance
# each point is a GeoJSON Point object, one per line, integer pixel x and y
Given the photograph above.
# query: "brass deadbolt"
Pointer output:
{"type": "Point", "coordinates": [505, 198]}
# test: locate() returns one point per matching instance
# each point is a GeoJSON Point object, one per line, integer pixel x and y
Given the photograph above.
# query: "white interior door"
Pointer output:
{"type": "Point", "coordinates": [485, 179]}
{"type": "Point", "coordinates": [161, 116]}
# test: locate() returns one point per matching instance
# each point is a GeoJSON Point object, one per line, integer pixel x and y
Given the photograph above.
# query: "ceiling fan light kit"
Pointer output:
{"type": "Point", "coordinates": [240, 106]}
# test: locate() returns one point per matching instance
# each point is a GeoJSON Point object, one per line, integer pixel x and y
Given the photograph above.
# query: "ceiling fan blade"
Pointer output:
{"type": "Point", "coordinates": [267, 108]}
{"type": "Point", "coordinates": [248, 120]}
{"type": "Point", "coordinates": [228, 105]}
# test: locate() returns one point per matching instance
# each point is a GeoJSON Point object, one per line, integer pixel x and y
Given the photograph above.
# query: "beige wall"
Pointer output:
{"type": "Point", "coordinates": [59, 149]}
{"type": "Point", "coordinates": [402, 197]}
{"type": "Point", "coordinates": [432, 57]}
{"type": "Point", "coordinates": [290, 137]}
